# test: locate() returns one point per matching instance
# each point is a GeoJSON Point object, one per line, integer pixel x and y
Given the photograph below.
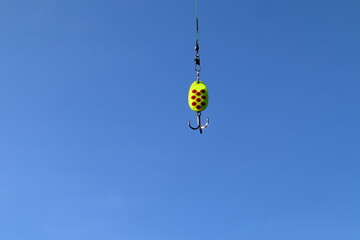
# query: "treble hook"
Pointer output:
{"type": "Point", "coordinates": [198, 114]}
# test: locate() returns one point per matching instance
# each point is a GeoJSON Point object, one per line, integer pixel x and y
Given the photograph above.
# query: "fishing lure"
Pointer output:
{"type": "Point", "coordinates": [198, 97]}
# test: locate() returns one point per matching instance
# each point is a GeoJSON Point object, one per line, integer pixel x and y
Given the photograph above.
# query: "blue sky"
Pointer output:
{"type": "Point", "coordinates": [94, 142]}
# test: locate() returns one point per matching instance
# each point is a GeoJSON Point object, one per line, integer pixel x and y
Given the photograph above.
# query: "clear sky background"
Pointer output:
{"type": "Point", "coordinates": [94, 142]}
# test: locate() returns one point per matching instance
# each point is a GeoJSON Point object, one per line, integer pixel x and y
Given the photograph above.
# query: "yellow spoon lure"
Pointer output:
{"type": "Point", "coordinates": [198, 96]}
